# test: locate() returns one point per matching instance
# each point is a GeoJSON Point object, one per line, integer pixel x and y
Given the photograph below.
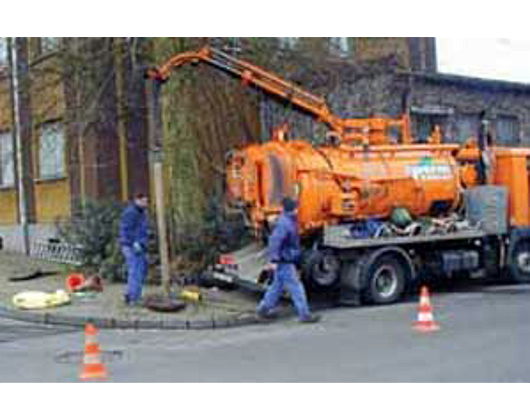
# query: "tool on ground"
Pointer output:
{"type": "Point", "coordinates": [191, 294]}
{"type": "Point", "coordinates": [38, 273]}
{"type": "Point", "coordinates": [74, 280]}
{"type": "Point", "coordinates": [78, 283]}
{"type": "Point", "coordinates": [34, 299]}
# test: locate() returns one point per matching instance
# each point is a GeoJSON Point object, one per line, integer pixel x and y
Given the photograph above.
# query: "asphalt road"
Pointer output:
{"type": "Point", "coordinates": [484, 337]}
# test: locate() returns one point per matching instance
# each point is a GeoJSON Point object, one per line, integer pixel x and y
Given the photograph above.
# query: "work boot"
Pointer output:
{"type": "Point", "coordinates": [310, 319]}
{"type": "Point", "coordinates": [265, 315]}
{"type": "Point", "coordinates": [132, 303]}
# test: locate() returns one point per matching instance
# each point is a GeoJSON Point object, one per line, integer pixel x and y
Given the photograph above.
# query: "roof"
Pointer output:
{"type": "Point", "coordinates": [467, 81]}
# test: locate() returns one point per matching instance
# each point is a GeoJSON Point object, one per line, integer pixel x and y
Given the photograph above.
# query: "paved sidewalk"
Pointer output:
{"type": "Point", "coordinates": [219, 309]}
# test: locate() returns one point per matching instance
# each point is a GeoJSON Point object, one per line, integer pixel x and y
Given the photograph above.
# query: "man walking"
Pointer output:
{"type": "Point", "coordinates": [133, 241]}
{"type": "Point", "coordinates": [284, 253]}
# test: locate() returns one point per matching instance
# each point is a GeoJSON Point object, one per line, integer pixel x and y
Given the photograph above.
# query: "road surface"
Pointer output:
{"type": "Point", "coordinates": [484, 337]}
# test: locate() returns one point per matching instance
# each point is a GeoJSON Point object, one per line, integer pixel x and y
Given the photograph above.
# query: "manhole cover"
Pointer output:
{"type": "Point", "coordinates": [76, 357]}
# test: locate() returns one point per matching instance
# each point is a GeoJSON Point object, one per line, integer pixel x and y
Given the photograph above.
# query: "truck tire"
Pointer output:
{"type": "Point", "coordinates": [519, 264]}
{"type": "Point", "coordinates": [384, 275]}
{"type": "Point", "coordinates": [320, 269]}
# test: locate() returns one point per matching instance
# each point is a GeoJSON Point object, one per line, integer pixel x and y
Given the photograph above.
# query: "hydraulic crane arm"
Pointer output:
{"type": "Point", "coordinates": [251, 74]}
{"type": "Point", "coordinates": [372, 130]}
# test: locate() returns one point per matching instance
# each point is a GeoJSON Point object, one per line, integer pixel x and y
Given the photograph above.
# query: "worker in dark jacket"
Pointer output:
{"type": "Point", "coordinates": [133, 242]}
{"type": "Point", "coordinates": [284, 253]}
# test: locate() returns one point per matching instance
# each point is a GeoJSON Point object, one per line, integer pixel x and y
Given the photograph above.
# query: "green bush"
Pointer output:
{"type": "Point", "coordinates": [94, 227]}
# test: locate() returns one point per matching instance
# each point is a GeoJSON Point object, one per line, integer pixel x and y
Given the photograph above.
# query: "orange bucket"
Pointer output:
{"type": "Point", "coordinates": [73, 281]}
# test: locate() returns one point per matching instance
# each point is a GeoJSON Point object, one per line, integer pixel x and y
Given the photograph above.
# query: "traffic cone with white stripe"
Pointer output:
{"type": "Point", "coordinates": [93, 368]}
{"type": "Point", "coordinates": [425, 322]}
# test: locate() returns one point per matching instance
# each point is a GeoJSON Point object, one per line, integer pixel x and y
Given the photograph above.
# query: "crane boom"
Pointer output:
{"type": "Point", "coordinates": [248, 73]}
{"type": "Point", "coordinates": [372, 130]}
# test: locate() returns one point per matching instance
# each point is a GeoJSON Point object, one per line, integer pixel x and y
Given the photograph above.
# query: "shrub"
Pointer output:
{"type": "Point", "coordinates": [94, 227]}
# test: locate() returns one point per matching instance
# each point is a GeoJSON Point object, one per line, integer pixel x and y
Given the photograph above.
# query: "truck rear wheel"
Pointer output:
{"type": "Point", "coordinates": [520, 262]}
{"type": "Point", "coordinates": [384, 276]}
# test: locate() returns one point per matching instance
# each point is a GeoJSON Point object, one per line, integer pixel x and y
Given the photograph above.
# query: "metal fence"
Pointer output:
{"type": "Point", "coordinates": [57, 252]}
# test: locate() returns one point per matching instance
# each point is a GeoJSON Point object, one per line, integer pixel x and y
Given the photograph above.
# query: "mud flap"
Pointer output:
{"type": "Point", "coordinates": [350, 284]}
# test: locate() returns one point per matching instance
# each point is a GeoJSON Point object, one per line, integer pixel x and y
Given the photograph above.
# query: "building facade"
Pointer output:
{"type": "Point", "coordinates": [73, 122]}
{"type": "Point", "coordinates": [70, 130]}
{"type": "Point", "coordinates": [80, 111]}
{"type": "Point", "coordinates": [454, 103]}
{"type": "Point", "coordinates": [415, 54]}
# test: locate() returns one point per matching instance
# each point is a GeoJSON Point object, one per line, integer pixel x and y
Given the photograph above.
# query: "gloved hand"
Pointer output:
{"type": "Point", "coordinates": [138, 248]}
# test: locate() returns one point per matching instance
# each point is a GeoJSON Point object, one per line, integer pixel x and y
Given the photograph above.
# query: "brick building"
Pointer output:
{"type": "Point", "coordinates": [81, 135]}
{"type": "Point", "coordinates": [387, 88]}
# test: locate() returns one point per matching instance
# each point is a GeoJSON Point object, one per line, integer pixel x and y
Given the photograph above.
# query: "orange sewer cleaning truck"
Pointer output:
{"type": "Point", "coordinates": [378, 212]}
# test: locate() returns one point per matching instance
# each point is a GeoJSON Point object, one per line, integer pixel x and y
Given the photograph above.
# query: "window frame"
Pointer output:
{"type": "Point", "coordinates": [341, 46]}
{"type": "Point", "coordinates": [503, 142]}
{"type": "Point", "coordinates": [9, 141]}
{"type": "Point", "coordinates": [38, 161]}
{"type": "Point", "coordinates": [4, 60]}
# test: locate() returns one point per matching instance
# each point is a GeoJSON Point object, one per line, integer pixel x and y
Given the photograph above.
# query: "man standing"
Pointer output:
{"type": "Point", "coordinates": [133, 241]}
{"type": "Point", "coordinates": [284, 253]}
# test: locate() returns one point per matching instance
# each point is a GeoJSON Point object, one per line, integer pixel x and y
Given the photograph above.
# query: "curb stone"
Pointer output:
{"type": "Point", "coordinates": [47, 318]}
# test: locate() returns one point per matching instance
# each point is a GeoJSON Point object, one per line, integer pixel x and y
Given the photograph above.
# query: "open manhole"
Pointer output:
{"type": "Point", "coordinates": [76, 357]}
{"type": "Point", "coordinates": [160, 303]}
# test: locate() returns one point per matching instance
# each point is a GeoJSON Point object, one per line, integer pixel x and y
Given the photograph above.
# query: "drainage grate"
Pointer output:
{"type": "Point", "coordinates": [76, 357]}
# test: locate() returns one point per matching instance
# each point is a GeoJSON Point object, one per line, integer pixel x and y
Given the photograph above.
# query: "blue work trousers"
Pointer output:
{"type": "Point", "coordinates": [136, 273]}
{"type": "Point", "coordinates": [285, 276]}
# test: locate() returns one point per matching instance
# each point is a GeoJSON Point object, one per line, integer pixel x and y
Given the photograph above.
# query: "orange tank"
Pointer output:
{"type": "Point", "coordinates": [339, 183]}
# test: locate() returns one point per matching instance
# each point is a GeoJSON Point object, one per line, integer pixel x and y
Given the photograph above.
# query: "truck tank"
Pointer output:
{"type": "Point", "coordinates": [342, 183]}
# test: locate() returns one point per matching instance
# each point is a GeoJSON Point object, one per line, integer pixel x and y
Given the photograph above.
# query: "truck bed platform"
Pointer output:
{"type": "Point", "coordinates": [339, 237]}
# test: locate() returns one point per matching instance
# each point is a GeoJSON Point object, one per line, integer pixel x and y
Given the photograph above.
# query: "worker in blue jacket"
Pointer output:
{"type": "Point", "coordinates": [284, 253]}
{"type": "Point", "coordinates": [133, 242]}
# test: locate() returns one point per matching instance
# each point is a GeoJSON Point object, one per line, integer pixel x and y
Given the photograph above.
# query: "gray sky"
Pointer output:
{"type": "Point", "coordinates": [491, 58]}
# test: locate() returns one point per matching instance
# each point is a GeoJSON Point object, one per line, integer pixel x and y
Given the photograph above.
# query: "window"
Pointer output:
{"type": "Point", "coordinates": [426, 117]}
{"type": "Point", "coordinates": [425, 125]}
{"type": "Point", "coordinates": [3, 52]}
{"type": "Point", "coordinates": [7, 169]}
{"type": "Point", "coordinates": [232, 44]}
{"type": "Point", "coordinates": [467, 125]}
{"type": "Point", "coordinates": [508, 132]}
{"type": "Point", "coordinates": [49, 45]}
{"type": "Point", "coordinates": [340, 45]}
{"type": "Point", "coordinates": [288, 42]}
{"type": "Point", "coordinates": [51, 151]}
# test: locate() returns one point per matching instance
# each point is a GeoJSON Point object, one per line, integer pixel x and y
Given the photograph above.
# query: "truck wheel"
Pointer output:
{"type": "Point", "coordinates": [520, 262]}
{"type": "Point", "coordinates": [384, 277]}
{"type": "Point", "coordinates": [321, 269]}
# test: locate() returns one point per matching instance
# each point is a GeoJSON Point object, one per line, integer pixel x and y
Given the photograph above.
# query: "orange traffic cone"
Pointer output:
{"type": "Point", "coordinates": [93, 368]}
{"type": "Point", "coordinates": [425, 322]}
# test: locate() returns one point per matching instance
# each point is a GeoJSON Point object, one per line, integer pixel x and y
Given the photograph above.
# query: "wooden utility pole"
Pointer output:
{"type": "Point", "coordinates": [122, 105]}
{"type": "Point", "coordinates": [156, 147]}
{"type": "Point", "coordinates": [162, 227]}
{"type": "Point", "coordinates": [22, 133]}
